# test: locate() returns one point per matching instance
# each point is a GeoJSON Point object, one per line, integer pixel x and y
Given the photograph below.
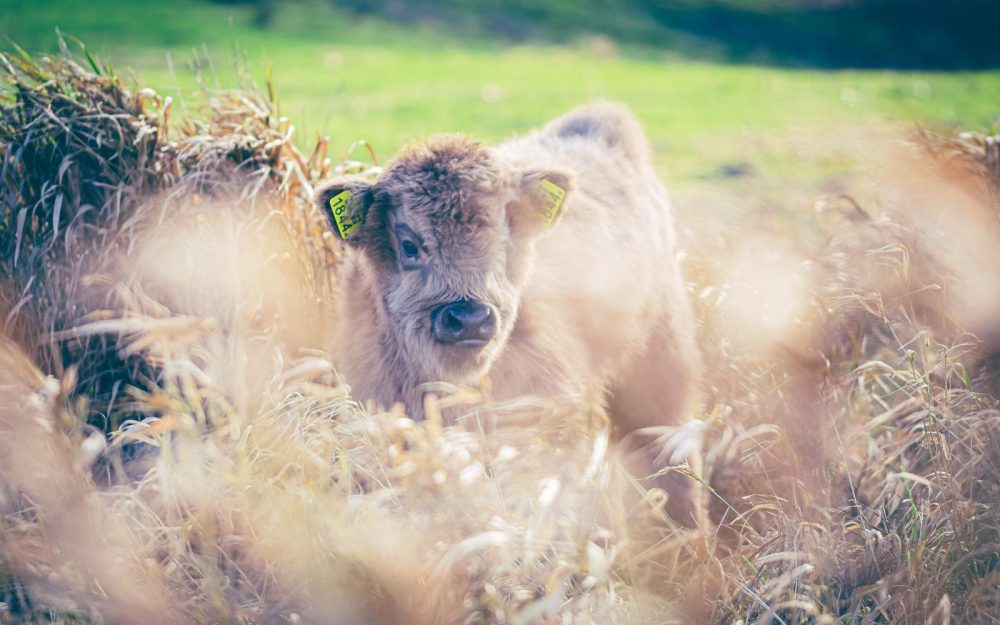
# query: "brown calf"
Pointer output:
{"type": "Point", "coordinates": [547, 263]}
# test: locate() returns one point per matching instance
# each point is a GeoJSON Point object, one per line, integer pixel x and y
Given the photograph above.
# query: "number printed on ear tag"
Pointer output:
{"type": "Point", "coordinates": [346, 224]}
{"type": "Point", "coordinates": [552, 199]}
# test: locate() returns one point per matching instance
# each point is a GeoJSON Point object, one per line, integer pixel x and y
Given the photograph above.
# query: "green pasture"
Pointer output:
{"type": "Point", "coordinates": [354, 78]}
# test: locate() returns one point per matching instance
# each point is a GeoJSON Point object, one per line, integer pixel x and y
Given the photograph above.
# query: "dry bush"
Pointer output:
{"type": "Point", "coordinates": [863, 424]}
{"type": "Point", "coordinates": [90, 164]}
{"type": "Point", "coordinates": [176, 447]}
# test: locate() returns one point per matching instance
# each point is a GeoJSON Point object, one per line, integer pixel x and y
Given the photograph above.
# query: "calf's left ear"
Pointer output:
{"type": "Point", "coordinates": [544, 195]}
{"type": "Point", "coordinates": [346, 202]}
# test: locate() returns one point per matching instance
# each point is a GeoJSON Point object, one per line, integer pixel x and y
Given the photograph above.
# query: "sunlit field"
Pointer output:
{"type": "Point", "coordinates": [177, 444]}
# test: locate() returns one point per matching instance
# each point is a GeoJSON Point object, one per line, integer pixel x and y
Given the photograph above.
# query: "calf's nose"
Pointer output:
{"type": "Point", "coordinates": [463, 322]}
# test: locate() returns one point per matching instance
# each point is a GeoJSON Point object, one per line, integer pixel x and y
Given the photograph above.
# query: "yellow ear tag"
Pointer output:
{"type": "Point", "coordinates": [552, 198]}
{"type": "Point", "coordinates": [346, 223]}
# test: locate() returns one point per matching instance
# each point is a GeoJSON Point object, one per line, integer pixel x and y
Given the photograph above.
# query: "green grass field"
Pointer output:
{"type": "Point", "coordinates": [357, 79]}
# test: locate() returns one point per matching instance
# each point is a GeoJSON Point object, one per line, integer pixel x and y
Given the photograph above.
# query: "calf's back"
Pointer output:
{"type": "Point", "coordinates": [605, 310]}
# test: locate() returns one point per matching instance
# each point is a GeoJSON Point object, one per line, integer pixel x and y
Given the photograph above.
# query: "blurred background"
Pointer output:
{"type": "Point", "coordinates": [729, 89]}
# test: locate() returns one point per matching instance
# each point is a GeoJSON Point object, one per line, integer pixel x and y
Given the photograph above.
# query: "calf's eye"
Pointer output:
{"type": "Point", "coordinates": [410, 250]}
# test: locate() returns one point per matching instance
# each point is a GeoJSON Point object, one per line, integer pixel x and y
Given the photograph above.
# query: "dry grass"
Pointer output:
{"type": "Point", "coordinates": [164, 282]}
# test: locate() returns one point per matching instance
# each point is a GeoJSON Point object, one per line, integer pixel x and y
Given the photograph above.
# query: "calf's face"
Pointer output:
{"type": "Point", "coordinates": [446, 240]}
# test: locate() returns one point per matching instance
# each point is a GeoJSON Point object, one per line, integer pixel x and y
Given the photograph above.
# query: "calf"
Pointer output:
{"type": "Point", "coordinates": [547, 263]}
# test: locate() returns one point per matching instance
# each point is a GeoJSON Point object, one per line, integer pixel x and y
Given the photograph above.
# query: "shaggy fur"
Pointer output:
{"type": "Point", "coordinates": [592, 304]}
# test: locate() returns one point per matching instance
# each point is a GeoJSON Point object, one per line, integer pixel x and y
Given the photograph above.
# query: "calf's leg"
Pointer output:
{"type": "Point", "coordinates": [653, 405]}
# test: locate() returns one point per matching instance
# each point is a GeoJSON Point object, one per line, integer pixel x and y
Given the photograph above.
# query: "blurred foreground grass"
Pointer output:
{"type": "Point", "coordinates": [353, 78]}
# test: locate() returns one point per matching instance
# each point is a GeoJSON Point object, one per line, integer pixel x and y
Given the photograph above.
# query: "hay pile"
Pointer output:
{"type": "Point", "coordinates": [176, 447]}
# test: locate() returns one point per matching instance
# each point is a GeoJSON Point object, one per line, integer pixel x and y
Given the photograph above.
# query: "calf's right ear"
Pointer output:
{"type": "Point", "coordinates": [347, 203]}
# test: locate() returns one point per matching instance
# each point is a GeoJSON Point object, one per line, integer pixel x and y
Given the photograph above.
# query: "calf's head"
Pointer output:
{"type": "Point", "coordinates": [445, 241]}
